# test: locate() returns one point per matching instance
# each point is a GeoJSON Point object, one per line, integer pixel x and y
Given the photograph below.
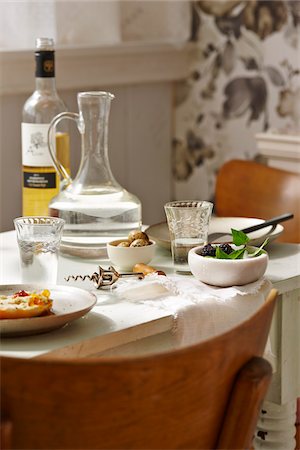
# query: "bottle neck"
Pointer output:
{"type": "Point", "coordinates": [95, 113]}
{"type": "Point", "coordinates": [95, 168]}
{"type": "Point", "coordinates": [94, 140]}
{"type": "Point", "coordinates": [45, 85]}
{"type": "Point", "coordinates": [44, 63]}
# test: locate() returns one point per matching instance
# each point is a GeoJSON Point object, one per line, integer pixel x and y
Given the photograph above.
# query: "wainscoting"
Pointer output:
{"type": "Point", "coordinates": [142, 79]}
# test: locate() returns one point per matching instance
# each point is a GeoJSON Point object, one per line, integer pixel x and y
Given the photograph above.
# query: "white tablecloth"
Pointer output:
{"type": "Point", "coordinates": [200, 311]}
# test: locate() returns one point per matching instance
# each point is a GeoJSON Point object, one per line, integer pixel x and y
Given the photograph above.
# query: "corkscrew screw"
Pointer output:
{"type": "Point", "coordinates": [104, 277]}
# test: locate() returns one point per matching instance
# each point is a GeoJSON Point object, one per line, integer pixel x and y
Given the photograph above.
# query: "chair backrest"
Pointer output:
{"type": "Point", "coordinates": [251, 189]}
{"type": "Point", "coordinates": [189, 398]}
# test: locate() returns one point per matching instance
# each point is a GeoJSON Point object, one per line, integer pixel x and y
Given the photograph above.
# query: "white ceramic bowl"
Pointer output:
{"type": "Point", "coordinates": [125, 258]}
{"type": "Point", "coordinates": [227, 272]}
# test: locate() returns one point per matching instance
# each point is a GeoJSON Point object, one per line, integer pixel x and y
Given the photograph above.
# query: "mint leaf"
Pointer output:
{"type": "Point", "coordinates": [237, 254]}
{"type": "Point", "coordinates": [220, 254]}
{"type": "Point", "coordinates": [239, 237]}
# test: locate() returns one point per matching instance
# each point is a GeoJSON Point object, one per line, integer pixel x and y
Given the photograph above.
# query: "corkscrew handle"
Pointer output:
{"type": "Point", "coordinates": [51, 133]}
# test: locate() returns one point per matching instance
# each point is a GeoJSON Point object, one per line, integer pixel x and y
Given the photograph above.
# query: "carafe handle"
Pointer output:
{"type": "Point", "coordinates": [57, 164]}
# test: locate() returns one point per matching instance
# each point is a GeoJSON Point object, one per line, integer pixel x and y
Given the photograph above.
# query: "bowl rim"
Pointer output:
{"type": "Point", "coordinates": [111, 244]}
{"type": "Point", "coordinates": [241, 261]}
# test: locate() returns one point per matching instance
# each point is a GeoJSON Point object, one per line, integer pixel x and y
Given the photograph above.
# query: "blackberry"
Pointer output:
{"type": "Point", "coordinates": [207, 250]}
{"type": "Point", "coordinates": [226, 248]}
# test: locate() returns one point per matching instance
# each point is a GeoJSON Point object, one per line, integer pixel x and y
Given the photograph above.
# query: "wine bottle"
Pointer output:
{"type": "Point", "coordinates": [40, 179]}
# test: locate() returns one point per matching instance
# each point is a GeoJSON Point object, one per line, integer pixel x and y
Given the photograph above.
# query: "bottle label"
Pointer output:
{"type": "Point", "coordinates": [38, 180]}
{"type": "Point", "coordinates": [44, 60]}
{"type": "Point", "coordinates": [35, 150]}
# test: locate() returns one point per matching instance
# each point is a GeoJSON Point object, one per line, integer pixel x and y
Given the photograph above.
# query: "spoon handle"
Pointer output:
{"type": "Point", "coordinates": [267, 223]}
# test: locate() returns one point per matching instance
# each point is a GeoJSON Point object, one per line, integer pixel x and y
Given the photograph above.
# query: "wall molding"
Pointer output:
{"type": "Point", "coordinates": [93, 67]}
{"type": "Point", "coordinates": [279, 150]}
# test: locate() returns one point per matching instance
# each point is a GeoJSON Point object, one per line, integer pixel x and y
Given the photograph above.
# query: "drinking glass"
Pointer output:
{"type": "Point", "coordinates": [39, 240]}
{"type": "Point", "coordinates": [188, 223]}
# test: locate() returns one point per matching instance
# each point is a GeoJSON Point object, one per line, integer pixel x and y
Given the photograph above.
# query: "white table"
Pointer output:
{"type": "Point", "coordinates": [125, 327]}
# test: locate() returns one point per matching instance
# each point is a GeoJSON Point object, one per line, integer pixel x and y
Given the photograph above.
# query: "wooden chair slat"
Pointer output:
{"type": "Point", "coordinates": [249, 189]}
{"type": "Point", "coordinates": [181, 399]}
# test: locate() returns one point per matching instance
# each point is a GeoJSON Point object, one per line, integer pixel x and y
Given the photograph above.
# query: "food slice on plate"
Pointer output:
{"type": "Point", "coordinates": [25, 304]}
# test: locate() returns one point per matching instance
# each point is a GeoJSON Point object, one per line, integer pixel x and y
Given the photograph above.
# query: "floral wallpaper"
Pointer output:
{"type": "Point", "coordinates": [246, 80]}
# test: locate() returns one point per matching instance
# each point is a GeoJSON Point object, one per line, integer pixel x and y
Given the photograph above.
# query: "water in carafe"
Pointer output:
{"type": "Point", "coordinates": [96, 209]}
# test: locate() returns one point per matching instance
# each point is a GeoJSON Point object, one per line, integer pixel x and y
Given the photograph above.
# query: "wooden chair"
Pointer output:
{"type": "Point", "coordinates": [189, 398]}
{"type": "Point", "coordinates": [251, 189]}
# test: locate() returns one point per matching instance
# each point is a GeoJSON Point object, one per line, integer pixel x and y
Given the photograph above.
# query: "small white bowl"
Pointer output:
{"type": "Point", "coordinates": [227, 272]}
{"type": "Point", "coordinates": [125, 258]}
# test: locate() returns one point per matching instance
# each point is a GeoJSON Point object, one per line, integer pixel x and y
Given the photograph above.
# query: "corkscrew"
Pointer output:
{"type": "Point", "coordinates": [104, 277]}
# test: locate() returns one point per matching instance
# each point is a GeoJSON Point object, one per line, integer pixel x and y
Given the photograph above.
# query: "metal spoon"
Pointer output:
{"type": "Point", "coordinates": [214, 237]}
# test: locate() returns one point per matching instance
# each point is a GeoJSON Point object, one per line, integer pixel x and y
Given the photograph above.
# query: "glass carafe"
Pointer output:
{"type": "Point", "coordinates": [96, 209]}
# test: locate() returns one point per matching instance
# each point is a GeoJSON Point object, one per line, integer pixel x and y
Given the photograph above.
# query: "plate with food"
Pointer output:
{"type": "Point", "coordinates": [160, 233]}
{"type": "Point", "coordinates": [27, 309]}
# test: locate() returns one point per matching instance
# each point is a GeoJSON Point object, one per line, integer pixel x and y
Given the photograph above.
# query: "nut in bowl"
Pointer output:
{"type": "Point", "coordinates": [228, 265]}
{"type": "Point", "coordinates": [138, 248]}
